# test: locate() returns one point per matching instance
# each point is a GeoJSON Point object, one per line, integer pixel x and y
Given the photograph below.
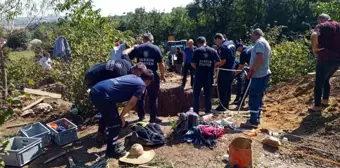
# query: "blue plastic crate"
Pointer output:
{"type": "Point", "coordinates": [37, 130]}
{"type": "Point", "coordinates": [22, 150]}
{"type": "Point", "coordinates": [63, 137]}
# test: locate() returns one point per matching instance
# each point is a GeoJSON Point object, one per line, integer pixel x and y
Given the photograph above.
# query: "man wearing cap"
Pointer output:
{"type": "Point", "coordinates": [227, 52]}
{"type": "Point", "coordinates": [204, 61]}
{"type": "Point", "coordinates": [240, 65]}
{"type": "Point", "coordinates": [259, 74]}
{"type": "Point", "coordinates": [328, 59]}
{"type": "Point", "coordinates": [105, 94]}
{"type": "Point", "coordinates": [188, 52]}
{"type": "Point", "coordinates": [151, 56]}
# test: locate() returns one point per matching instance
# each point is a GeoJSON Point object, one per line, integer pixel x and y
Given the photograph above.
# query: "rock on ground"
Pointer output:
{"type": "Point", "coordinates": [42, 108]}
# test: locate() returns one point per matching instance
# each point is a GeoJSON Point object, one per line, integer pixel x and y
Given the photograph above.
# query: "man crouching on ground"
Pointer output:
{"type": "Point", "coordinates": [107, 93]}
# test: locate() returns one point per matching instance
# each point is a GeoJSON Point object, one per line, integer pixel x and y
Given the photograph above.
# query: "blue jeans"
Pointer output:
{"type": "Point", "coordinates": [152, 90]}
{"type": "Point", "coordinates": [225, 81]}
{"type": "Point", "coordinates": [207, 88]}
{"type": "Point", "coordinates": [256, 92]}
{"type": "Point", "coordinates": [322, 88]}
{"type": "Point", "coordinates": [110, 117]}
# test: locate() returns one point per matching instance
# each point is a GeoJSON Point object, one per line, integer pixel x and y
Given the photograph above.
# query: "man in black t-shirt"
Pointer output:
{"type": "Point", "coordinates": [179, 61]}
{"type": "Point", "coordinates": [151, 56]}
{"type": "Point", "coordinates": [204, 61]}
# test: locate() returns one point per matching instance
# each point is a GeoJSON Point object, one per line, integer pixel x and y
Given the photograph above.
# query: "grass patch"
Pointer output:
{"type": "Point", "coordinates": [15, 55]}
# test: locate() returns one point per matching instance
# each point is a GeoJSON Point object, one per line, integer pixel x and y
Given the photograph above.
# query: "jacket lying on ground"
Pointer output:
{"type": "Point", "coordinates": [148, 134]}
{"type": "Point", "coordinates": [186, 121]}
{"type": "Point", "coordinates": [204, 135]}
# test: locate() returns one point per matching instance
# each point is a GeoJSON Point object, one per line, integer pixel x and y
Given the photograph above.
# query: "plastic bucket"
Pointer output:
{"type": "Point", "coordinates": [240, 152]}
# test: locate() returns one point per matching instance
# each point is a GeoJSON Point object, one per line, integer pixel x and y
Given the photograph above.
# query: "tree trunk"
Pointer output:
{"type": "Point", "coordinates": [4, 75]}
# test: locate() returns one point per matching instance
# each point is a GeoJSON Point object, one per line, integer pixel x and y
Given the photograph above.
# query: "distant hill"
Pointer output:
{"type": "Point", "coordinates": [21, 22]}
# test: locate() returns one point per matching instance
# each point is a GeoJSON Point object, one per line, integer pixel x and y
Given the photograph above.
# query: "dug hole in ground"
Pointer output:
{"type": "Point", "coordinates": [285, 111]}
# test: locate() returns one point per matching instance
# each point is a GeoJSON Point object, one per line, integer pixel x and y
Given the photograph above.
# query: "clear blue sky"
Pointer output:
{"type": "Point", "coordinates": [118, 7]}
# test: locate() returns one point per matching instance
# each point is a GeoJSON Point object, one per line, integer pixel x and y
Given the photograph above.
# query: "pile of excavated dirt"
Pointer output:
{"type": "Point", "coordinates": [286, 109]}
{"type": "Point", "coordinates": [286, 106]}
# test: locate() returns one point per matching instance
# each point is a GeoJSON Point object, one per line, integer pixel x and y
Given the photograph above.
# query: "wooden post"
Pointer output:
{"type": "Point", "coordinates": [4, 74]}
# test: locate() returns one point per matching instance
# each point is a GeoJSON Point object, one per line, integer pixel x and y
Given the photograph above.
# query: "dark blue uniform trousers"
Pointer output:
{"type": "Point", "coordinates": [207, 88]}
{"type": "Point", "coordinates": [256, 92]}
{"type": "Point", "coordinates": [152, 90]}
{"type": "Point", "coordinates": [110, 116]}
{"type": "Point", "coordinates": [242, 84]}
{"type": "Point", "coordinates": [225, 81]}
{"type": "Point", "coordinates": [240, 78]}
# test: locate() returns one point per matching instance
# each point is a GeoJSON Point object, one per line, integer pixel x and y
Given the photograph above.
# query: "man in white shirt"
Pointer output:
{"type": "Point", "coordinates": [46, 62]}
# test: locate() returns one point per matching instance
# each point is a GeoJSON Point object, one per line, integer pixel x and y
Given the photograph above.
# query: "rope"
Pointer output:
{"type": "Point", "coordinates": [230, 70]}
{"type": "Point", "coordinates": [244, 95]}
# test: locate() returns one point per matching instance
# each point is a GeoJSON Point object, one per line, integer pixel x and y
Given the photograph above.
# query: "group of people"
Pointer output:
{"type": "Point", "coordinates": [119, 81]}
{"type": "Point", "coordinates": [254, 61]}
{"type": "Point", "coordinates": [201, 62]}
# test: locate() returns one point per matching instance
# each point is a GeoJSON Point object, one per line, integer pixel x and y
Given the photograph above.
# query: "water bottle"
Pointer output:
{"type": "Point", "coordinates": [192, 118]}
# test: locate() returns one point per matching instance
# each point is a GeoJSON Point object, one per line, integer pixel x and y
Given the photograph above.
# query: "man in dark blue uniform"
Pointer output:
{"type": "Point", "coordinates": [204, 61]}
{"type": "Point", "coordinates": [107, 93]}
{"type": "Point", "coordinates": [227, 52]}
{"type": "Point", "coordinates": [244, 60]}
{"type": "Point", "coordinates": [112, 69]}
{"type": "Point", "coordinates": [109, 70]}
{"type": "Point", "coordinates": [150, 55]}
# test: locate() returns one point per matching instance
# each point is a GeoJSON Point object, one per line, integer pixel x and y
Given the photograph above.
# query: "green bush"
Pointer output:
{"type": "Point", "coordinates": [18, 39]}
{"type": "Point", "coordinates": [91, 37]}
{"type": "Point", "coordinates": [24, 72]}
{"type": "Point", "coordinates": [291, 59]}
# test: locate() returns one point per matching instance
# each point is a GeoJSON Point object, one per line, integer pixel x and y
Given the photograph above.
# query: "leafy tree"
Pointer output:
{"type": "Point", "coordinates": [331, 7]}
{"type": "Point", "coordinates": [18, 39]}
{"type": "Point", "coordinates": [90, 36]}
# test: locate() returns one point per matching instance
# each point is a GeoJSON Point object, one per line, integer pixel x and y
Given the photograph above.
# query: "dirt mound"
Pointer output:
{"type": "Point", "coordinates": [286, 106]}
{"type": "Point", "coordinates": [54, 88]}
{"type": "Point", "coordinates": [170, 74]}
